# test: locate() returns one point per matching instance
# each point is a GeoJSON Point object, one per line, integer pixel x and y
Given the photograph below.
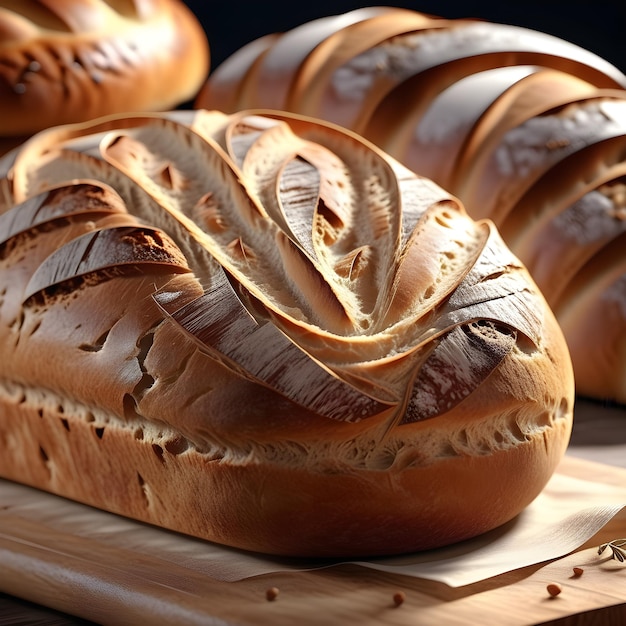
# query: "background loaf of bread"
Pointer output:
{"type": "Point", "coordinates": [65, 61]}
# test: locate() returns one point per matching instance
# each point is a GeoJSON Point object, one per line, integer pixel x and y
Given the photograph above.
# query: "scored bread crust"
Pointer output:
{"type": "Point", "coordinates": [111, 396]}
{"type": "Point", "coordinates": [70, 60]}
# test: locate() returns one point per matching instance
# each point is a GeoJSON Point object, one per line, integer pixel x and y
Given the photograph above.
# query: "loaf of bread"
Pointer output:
{"type": "Point", "coordinates": [65, 61]}
{"type": "Point", "coordinates": [526, 129]}
{"type": "Point", "coordinates": [263, 331]}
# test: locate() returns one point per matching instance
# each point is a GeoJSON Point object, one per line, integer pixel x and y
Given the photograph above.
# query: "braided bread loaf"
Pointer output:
{"type": "Point", "coordinates": [526, 129]}
{"type": "Point", "coordinates": [67, 61]}
{"type": "Point", "coordinates": [264, 331]}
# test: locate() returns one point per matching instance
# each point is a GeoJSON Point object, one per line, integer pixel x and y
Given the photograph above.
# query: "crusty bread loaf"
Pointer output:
{"type": "Point", "coordinates": [263, 331]}
{"type": "Point", "coordinates": [526, 129]}
{"type": "Point", "coordinates": [65, 61]}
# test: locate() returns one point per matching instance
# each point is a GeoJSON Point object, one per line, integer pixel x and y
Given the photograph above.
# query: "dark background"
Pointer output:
{"type": "Point", "coordinates": [599, 26]}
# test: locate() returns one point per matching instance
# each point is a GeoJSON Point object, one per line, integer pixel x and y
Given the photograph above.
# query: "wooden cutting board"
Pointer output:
{"type": "Point", "coordinates": [109, 584]}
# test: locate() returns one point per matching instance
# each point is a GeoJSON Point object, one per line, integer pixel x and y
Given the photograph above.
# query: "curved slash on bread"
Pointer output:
{"type": "Point", "coordinates": [331, 273]}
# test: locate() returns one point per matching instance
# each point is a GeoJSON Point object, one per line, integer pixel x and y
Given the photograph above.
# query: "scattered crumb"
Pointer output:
{"type": "Point", "coordinates": [554, 589]}
{"type": "Point", "coordinates": [272, 593]}
{"type": "Point", "coordinates": [578, 571]}
{"type": "Point", "coordinates": [398, 598]}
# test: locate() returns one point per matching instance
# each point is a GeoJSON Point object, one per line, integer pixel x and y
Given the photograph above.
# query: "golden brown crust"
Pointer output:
{"type": "Point", "coordinates": [263, 331]}
{"type": "Point", "coordinates": [277, 505]}
{"type": "Point", "coordinates": [70, 61]}
{"type": "Point", "coordinates": [268, 507]}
